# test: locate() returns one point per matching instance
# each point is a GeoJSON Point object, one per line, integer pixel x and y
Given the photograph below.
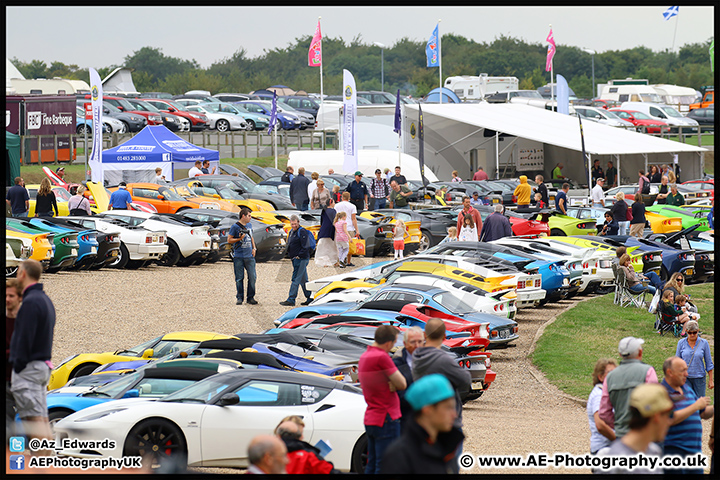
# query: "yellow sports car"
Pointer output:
{"type": "Point", "coordinates": [636, 256]}
{"type": "Point", "coordinates": [226, 194]}
{"type": "Point", "coordinates": [660, 224]}
{"type": "Point", "coordinates": [272, 218]}
{"type": "Point", "coordinates": [85, 363]}
{"type": "Point", "coordinates": [412, 235]}
{"type": "Point", "coordinates": [42, 247]}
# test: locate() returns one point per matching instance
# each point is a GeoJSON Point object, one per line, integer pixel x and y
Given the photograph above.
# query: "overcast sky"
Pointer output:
{"type": "Point", "coordinates": [103, 36]}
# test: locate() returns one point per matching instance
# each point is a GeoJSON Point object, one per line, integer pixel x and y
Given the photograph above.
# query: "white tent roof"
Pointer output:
{"type": "Point", "coordinates": [555, 129]}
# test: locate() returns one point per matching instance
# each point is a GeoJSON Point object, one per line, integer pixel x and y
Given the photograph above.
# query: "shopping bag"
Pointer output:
{"type": "Point", "coordinates": [357, 246]}
{"type": "Point", "coordinates": [654, 302]}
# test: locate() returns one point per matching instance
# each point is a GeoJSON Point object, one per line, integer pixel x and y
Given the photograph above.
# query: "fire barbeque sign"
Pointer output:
{"type": "Point", "coordinates": [36, 120]}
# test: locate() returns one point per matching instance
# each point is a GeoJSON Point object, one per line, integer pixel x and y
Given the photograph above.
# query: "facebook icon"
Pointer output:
{"type": "Point", "coordinates": [17, 462]}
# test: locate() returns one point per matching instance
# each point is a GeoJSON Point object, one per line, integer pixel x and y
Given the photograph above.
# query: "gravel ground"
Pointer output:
{"type": "Point", "coordinates": [109, 309]}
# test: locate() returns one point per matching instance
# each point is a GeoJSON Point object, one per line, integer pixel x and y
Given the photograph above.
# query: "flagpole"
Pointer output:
{"type": "Point", "coordinates": [677, 19]}
{"type": "Point", "coordinates": [321, 77]}
{"type": "Point", "coordinates": [552, 87]}
{"type": "Point", "coordinates": [440, 58]}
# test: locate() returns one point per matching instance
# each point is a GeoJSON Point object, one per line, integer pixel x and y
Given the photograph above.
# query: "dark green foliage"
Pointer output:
{"type": "Point", "coordinates": [404, 66]}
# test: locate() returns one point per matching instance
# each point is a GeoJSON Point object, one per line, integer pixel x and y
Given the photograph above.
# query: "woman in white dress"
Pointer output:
{"type": "Point", "coordinates": [326, 253]}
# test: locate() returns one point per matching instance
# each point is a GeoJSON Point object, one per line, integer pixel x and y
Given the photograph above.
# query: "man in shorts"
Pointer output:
{"type": "Point", "coordinates": [31, 350]}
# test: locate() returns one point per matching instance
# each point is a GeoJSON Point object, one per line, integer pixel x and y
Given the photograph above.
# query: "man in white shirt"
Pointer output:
{"type": "Point", "coordinates": [351, 211]}
{"type": "Point", "coordinates": [195, 171]}
{"type": "Point", "coordinates": [597, 194]}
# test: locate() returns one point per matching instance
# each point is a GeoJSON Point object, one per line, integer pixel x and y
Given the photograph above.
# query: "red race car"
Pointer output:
{"type": "Point", "coordinates": [639, 119]}
{"type": "Point", "coordinates": [198, 121]}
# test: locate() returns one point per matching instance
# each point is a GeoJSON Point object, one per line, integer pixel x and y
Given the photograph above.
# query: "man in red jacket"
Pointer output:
{"type": "Point", "coordinates": [303, 458]}
{"type": "Point", "coordinates": [469, 210]}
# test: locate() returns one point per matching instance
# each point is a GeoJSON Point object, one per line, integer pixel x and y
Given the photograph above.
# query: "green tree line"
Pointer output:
{"type": "Point", "coordinates": [404, 66]}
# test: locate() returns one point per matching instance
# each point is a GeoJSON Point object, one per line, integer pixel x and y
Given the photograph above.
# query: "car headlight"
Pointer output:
{"type": "Point", "coordinates": [98, 415]}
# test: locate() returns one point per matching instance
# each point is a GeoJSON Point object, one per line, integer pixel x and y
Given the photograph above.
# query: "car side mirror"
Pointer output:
{"type": "Point", "coordinates": [148, 353]}
{"type": "Point", "coordinates": [229, 399]}
{"type": "Point", "coordinates": [215, 195]}
{"type": "Point", "coordinates": [132, 393]}
{"type": "Point", "coordinates": [161, 197]}
{"type": "Point", "coordinates": [122, 109]}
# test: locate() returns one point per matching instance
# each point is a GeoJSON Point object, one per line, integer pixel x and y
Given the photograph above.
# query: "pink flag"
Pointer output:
{"type": "Point", "coordinates": [315, 52]}
{"type": "Point", "coordinates": [551, 50]}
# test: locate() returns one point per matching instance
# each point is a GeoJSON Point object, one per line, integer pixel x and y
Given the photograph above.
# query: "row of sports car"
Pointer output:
{"type": "Point", "coordinates": [179, 395]}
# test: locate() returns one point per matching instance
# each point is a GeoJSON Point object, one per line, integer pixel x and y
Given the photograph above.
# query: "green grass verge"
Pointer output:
{"type": "Point", "coordinates": [568, 349]}
{"type": "Point", "coordinates": [707, 140]}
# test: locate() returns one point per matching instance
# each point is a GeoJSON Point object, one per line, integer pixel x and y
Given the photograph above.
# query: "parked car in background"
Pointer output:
{"type": "Point", "coordinates": [165, 95]}
{"type": "Point", "coordinates": [235, 97]}
{"type": "Point", "coordinates": [131, 122]}
{"type": "Point", "coordinates": [198, 121]}
{"type": "Point", "coordinates": [378, 98]}
{"type": "Point", "coordinates": [287, 121]}
{"type": "Point", "coordinates": [16, 250]}
{"type": "Point", "coordinates": [706, 185]}
{"type": "Point", "coordinates": [663, 113]}
{"type": "Point", "coordinates": [171, 122]}
{"type": "Point", "coordinates": [307, 120]}
{"type": "Point", "coordinates": [81, 124]}
{"type": "Point", "coordinates": [703, 116]}
{"type": "Point", "coordinates": [639, 119]}
{"type": "Point", "coordinates": [253, 121]}
{"type": "Point", "coordinates": [339, 99]}
{"type": "Point", "coordinates": [222, 122]}
{"type": "Point", "coordinates": [602, 116]}
{"type": "Point", "coordinates": [301, 103]}
{"type": "Point", "coordinates": [124, 106]}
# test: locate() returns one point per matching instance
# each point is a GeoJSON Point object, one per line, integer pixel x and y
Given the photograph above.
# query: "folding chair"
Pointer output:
{"type": "Point", "coordinates": [623, 295]}
{"type": "Point", "coordinates": [667, 323]}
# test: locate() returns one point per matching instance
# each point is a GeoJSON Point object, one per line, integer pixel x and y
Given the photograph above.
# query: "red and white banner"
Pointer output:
{"type": "Point", "coordinates": [315, 52]}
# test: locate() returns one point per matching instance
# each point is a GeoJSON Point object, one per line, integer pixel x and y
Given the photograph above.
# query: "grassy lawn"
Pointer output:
{"type": "Point", "coordinates": [707, 140]}
{"type": "Point", "coordinates": [33, 174]}
{"type": "Point", "coordinates": [568, 349]}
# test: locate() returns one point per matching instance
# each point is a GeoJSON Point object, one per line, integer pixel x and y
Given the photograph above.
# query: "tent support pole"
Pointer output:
{"type": "Point", "coordinates": [497, 155]}
{"type": "Point", "coordinates": [617, 157]}
{"type": "Point", "coordinates": [646, 163]}
{"type": "Point", "coordinates": [461, 139]}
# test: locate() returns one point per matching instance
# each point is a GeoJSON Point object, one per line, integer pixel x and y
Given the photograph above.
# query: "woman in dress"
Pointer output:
{"type": "Point", "coordinates": [326, 253]}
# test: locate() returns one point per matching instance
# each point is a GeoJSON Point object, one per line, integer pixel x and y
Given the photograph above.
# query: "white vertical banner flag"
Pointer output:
{"type": "Point", "coordinates": [563, 95]}
{"type": "Point", "coordinates": [350, 159]}
{"type": "Point", "coordinates": [95, 160]}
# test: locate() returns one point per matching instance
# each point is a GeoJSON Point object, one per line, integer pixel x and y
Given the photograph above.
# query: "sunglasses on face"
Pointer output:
{"type": "Point", "coordinates": [692, 333]}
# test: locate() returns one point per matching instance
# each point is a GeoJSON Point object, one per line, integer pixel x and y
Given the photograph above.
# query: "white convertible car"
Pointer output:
{"type": "Point", "coordinates": [138, 245]}
{"type": "Point", "coordinates": [16, 250]}
{"type": "Point", "coordinates": [596, 264]}
{"type": "Point", "coordinates": [185, 244]}
{"type": "Point", "coordinates": [211, 423]}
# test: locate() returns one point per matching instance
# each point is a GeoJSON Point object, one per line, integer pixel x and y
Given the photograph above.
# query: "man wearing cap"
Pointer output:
{"type": "Point", "coordinates": [380, 380]}
{"type": "Point", "coordinates": [649, 408]}
{"type": "Point", "coordinates": [430, 440]}
{"type": "Point", "coordinates": [685, 435]}
{"type": "Point", "coordinates": [60, 172]}
{"type": "Point", "coordinates": [120, 199]}
{"type": "Point", "coordinates": [379, 190]}
{"type": "Point", "coordinates": [358, 192]}
{"type": "Point", "coordinates": [475, 201]}
{"type": "Point", "coordinates": [431, 359]}
{"type": "Point", "coordinates": [618, 384]}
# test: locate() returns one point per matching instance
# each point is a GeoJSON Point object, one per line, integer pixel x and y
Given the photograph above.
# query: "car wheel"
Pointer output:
{"type": "Point", "coordinates": [125, 127]}
{"type": "Point", "coordinates": [250, 125]}
{"type": "Point", "coordinates": [556, 232]}
{"type": "Point", "coordinates": [108, 127]}
{"type": "Point", "coordinates": [222, 125]}
{"type": "Point", "coordinates": [82, 370]}
{"type": "Point", "coordinates": [158, 440]}
{"type": "Point", "coordinates": [82, 128]}
{"type": "Point", "coordinates": [425, 242]}
{"type": "Point", "coordinates": [172, 256]}
{"type": "Point", "coordinates": [359, 458]}
{"type": "Point", "coordinates": [664, 275]}
{"type": "Point", "coordinates": [11, 271]}
{"type": "Point", "coordinates": [55, 416]}
{"type": "Point", "coordinates": [122, 258]}
{"type": "Point", "coordinates": [185, 262]}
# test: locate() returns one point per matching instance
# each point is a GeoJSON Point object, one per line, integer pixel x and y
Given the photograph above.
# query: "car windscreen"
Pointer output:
{"type": "Point", "coordinates": [170, 195]}
{"type": "Point", "coordinates": [113, 389]}
{"type": "Point", "coordinates": [671, 112]}
{"type": "Point", "coordinates": [202, 391]}
{"type": "Point", "coordinates": [459, 302]}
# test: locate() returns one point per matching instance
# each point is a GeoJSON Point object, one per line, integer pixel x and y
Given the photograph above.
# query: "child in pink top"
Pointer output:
{"type": "Point", "coordinates": [399, 232]}
{"type": "Point", "coordinates": [342, 238]}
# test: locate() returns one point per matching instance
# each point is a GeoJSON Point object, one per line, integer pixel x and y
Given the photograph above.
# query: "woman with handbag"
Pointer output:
{"type": "Point", "coordinates": [326, 253]}
{"type": "Point", "coordinates": [78, 204]}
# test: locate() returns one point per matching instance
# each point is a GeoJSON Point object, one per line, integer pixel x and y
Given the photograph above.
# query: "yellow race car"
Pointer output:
{"type": "Point", "coordinates": [85, 363]}
{"type": "Point", "coordinates": [42, 247]}
{"type": "Point", "coordinates": [660, 224]}
{"type": "Point", "coordinates": [61, 197]}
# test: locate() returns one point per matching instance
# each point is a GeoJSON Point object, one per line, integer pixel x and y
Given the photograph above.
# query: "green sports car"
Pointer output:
{"type": "Point", "coordinates": [563, 225]}
{"type": "Point", "coordinates": [688, 217]}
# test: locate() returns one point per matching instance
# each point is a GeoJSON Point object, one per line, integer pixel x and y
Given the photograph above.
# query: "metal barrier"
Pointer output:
{"type": "Point", "coordinates": [238, 144]}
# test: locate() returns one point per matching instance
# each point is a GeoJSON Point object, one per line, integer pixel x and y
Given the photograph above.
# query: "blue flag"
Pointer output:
{"type": "Point", "coordinates": [432, 50]}
{"type": "Point", "coordinates": [273, 114]}
{"type": "Point", "coordinates": [398, 120]}
{"type": "Point", "coordinates": [670, 12]}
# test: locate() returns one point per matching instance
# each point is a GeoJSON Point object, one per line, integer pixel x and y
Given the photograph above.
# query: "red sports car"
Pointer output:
{"type": "Point", "coordinates": [639, 119]}
{"type": "Point", "coordinates": [705, 185]}
{"type": "Point", "coordinates": [198, 121]}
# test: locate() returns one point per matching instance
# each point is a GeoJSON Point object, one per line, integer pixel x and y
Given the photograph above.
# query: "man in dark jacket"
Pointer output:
{"type": "Point", "coordinates": [287, 177]}
{"type": "Point", "coordinates": [31, 351]}
{"type": "Point", "coordinates": [496, 226]}
{"type": "Point", "coordinates": [431, 359]}
{"type": "Point", "coordinates": [429, 442]}
{"type": "Point", "coordinates": [299, 190]}
{"type": "Point", "coordinates": [412, 339]}
{"type": "Point", "coordinates": [298, 250]}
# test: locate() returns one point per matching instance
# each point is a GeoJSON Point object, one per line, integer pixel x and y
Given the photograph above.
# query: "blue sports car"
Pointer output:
{"type": "Point", "coordinates": [87, 241]}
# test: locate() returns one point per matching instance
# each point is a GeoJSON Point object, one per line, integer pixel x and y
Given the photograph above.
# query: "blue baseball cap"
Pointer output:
{"type": "Point", "coordinates": [429, 390]}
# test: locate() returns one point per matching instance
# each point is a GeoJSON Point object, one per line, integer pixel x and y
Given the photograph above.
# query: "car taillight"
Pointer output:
{"type": "Point", "coordinates": [379, 230]}
{"type": "Point", "coordinates": [515, 329]}
{"type": "Point", "coordinates": [521, 284]}
{"type": "Point", "coordinates": [585, 265]}
{"type": "Point", "coordinates": [148, 239]}
{"type": "Point", "coordinates": [460, 363]}
{"type": "Point", "coordinates": [65, 240]}
{"type": "Point", "coordinates": [582, 226]}
{"type": "Point", "coordinates": [538, 282]}
{"type": "Point", "coordinates": [514, 199]}
{"type": "Point", "coordinates": [467, 363]}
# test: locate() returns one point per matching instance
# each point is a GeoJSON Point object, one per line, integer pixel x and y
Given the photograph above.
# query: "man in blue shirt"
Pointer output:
{"type": "Point", "coordinates": [18, 198]}
{"type": "Point", "coordinates": [358, 192]}
{"type": "Point", "coordinates": [120, 199]}
{"type": "Point", "coordinates": [298, 250]}
{"type": "Point", "coordinates": [475, 201]}
{"type": "Point", "coordinates": [684, 438]}
{"type": "Point", "coordinates": [561, 199]}
{"type": "Point", "coordinates": [243, 244]}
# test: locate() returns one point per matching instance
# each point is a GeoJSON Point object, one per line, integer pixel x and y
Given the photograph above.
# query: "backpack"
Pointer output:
{"type": "Point", "coordinates": [646, 186]}
{"type": "Point", "coordinates": [311, 239]}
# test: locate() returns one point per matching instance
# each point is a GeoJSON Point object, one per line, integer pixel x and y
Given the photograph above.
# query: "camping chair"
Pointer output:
{"type": "Point", "coordinates": [667, 323]}
{"type": "Point", "coordinates": [623, 295]}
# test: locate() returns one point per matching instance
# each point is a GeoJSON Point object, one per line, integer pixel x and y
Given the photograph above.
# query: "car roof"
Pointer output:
{"type": "Point", "coordinates": [282, 376]}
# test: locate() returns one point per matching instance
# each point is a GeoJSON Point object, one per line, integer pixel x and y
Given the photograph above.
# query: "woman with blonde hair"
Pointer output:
{"type": "Point", "coordinates": [455, 177]}
{"type": "Point", "coordinates": [399, 232]}
{"type": "Point", "coordinates": [620, 213]}
{"type": "Point", "coordinates": [601, 434]}
{"type": "Point", "coordinates": [45, 200]}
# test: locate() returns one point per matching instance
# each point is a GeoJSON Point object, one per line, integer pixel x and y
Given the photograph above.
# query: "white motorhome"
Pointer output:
{"type": "Point", "coordinates": [469, 87]}
{"type": "Point", "coordinates": [48, 86]}
{"type": "Point", "coordinates": [368, 160]}
{"type": "Point", "coordinates": [675, 96]}
{"type": "Point", "coordinates": [630, 93]}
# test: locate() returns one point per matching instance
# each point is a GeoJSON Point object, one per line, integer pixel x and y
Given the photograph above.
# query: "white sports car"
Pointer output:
{"type": "Point", "coordinates": [211, 423]}
{"type": "Point", "coordinates": [185, 244]}
{"type": "Point", "coordinates": [16, 250]}
{"type": "Point", "coordinates": [137, 244]}
{"type": "Point", "coordinates": [596, 264]}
